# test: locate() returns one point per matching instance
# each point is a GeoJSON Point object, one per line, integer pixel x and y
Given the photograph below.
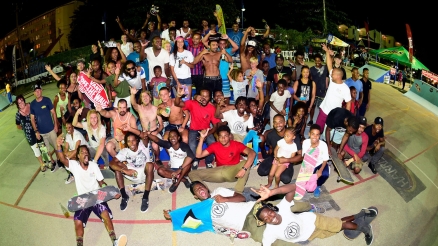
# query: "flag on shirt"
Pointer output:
{"type": "Point", "coordinates": [195, 218]}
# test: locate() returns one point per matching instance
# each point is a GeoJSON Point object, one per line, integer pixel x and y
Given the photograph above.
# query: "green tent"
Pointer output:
{"type": "Point", "coordinates": [399, 54]}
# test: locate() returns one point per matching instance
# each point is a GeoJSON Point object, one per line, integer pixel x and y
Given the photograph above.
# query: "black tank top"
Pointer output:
{"type": "Point", "coordinates": [304, 91]}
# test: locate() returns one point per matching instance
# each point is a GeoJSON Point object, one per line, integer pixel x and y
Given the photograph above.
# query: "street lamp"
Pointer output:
{"type": "Point", "coordinates": [104, 23]}
{"type": "Point", "coordinates": [243, 10]}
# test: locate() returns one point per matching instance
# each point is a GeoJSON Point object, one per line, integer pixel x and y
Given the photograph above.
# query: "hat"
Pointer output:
{"type": "Point", "coordinates": [378, 120]}
{"type": "Point", "coordinates": [362, 121]}
{"type": "Point", "coordinates": [252, 43]}
{"type": "Point", "coordinates": [258, 207]}
{"type": "Point", "coordinates": [279, 56]}
{"type": "Point", "coordinates": [36, 87]}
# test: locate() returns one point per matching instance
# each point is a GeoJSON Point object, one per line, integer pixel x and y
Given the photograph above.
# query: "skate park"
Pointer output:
{"type": "Point", "coordinates": [403, 189]}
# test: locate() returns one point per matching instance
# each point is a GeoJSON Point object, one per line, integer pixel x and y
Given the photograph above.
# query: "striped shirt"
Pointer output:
{"type": "Point", "coordinates": [197, 70]}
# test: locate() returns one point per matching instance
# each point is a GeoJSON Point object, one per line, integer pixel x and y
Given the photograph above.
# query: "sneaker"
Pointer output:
{"type": "Point", "coordinates": [243, 235]}
{"type": "Point", "coordinates": [60, 165]}
{"type": "Point", "coordinates": [121, 241]}
{"type": "Point", "coordinates": [124, 203]}
{"type": "Point", "coordinates": [317, 192]}
{"type": "Point", "coordinates": [315, 209]}
{"type": "Point", "coordinates": [187, 183]}
{"type": "Point", "coordinates": [144, 205]}
{"type": "Point", "coordinates": [310, 123]}
{"type": "Point", "coordinates": [53, 167]}
{"type": "Point", "coordinates": [372, 167]}
{"type": "Point", "coordinates": [172, 188]}
{"type": "Point", "coordinates": [70, 179]}
{"type": "Point", "coordinates": [195, 165]}
{"type": "Point", "coordinates": [369, 237]}
{"type": "Point", "coordinates": [209, 165]}
{"type": "Point", "coordinates": [370, 212]}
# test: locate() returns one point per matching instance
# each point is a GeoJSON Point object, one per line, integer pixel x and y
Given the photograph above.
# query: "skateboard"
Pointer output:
{"type": "Point", "coordinates": [352, 234]}
{"type": "Point", "coordinates": [306, 171]}
{"type": "Point", "coordinates": [344, 174]}
{"type": "Point", "coordinates": [157, 184]}
{"type": "Point", "coordinates": [231, 233]}
{"type": "Point", "coordinates": [92, 198]}
{"type": "Point", "coordinates": [44, 152]}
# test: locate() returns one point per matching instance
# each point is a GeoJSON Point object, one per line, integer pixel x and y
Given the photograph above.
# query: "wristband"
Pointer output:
{"type": "Point", "coordinates": [59, 150]}
{"type": "Point", "coordinates": [244, 168]}
{"type": "Point", "coordinates": [103, 185]}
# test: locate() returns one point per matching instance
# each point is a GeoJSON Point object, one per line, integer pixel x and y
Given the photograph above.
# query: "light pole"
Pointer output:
{"type": "Point", "coordinates": [104, 23]}
{"type": "Point", "coordinates": [325, 19]}
{"type": "Point", "coordinates": [243, 10]}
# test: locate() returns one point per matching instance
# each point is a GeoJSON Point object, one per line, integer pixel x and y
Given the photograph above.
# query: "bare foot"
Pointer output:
{"type": "Point", "coordinates": [348, 162]}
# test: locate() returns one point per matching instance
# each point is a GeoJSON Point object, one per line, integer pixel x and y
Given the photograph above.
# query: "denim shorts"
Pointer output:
{"type": "Point", "coordinates": [187, 81]}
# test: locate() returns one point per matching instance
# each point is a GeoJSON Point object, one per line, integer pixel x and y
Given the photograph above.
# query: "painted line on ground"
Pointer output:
{"type": "Point", "coordinates": [436, 186]}
{"type": "Point", "coordinates": [174, 239]}
{"type": "Point", "coordinates": [421, 152]}
{"type": "Point", "coordinates": [355, 184]}
{"type": "Point", "coordinates": [11, 152]}
{"type": "Point", "coordinates": [27, 186]}
{"type": "Point", "coordinates": [389, 132]}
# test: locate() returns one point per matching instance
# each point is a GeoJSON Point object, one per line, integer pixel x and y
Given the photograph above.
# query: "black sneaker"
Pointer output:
{"type": "Point", "coordinates": [371, 212]}
{"type": "Point", "coordinates": [124, 203]}
{"type": "Point", "coordinates": [209, 165]}
{"type": "Point", "coordinates": [54, 167]}
{"type": "Point", "coordinates": [144, 205]}
{"type": "Point", "coordinates": [310, 123]}
{"type": "Point", "coordinates": [187, 183]}
{"type": "Point", "coordinates": [195, 165]}
{"type": "Point", "coordinates": [372, 167]}
{"type": "Point", "coordinates": [369, 237]}
{"type": "Point", "coordinates": [172, 188]}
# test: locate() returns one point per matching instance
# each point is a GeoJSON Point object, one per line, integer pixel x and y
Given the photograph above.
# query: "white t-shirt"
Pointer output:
{"type": "Point", "coordinates": [159, 60]}
{"type": "Point", "coordinates": [182, 72]}
{"type": "Point", "coordinates": [229, 214]}
{"type": "Point", "coordinates": [293, 227]}
{"type": "Point", "coordinates": [165, 35]}
{"type": "Point", "coordinates": [279, 100]}
{"type": "Point", "coordinates": [236, 123]}
{"type": "Point", "coordinates": [134, 82]}
{"type": "Point", "coordinates": [85, 180]}
{"type": "Point", "coordinates": [323, 150]}
{"type": "Point", "coordinates": [95, 136]}
{"type": "Point", "coordinates": [284, 149]}
{"type": "Point", "coordinates": [136, 159]}
{"type": "Point", "coordinates": [239, 88]}
{"type": "Point", "coordinates": [127, 48]}
{"type": "Point", "coordinates": [180, 32]}
{"type": "Point", "coordinates": [77, 136]}
{"type": "Point", "coordinates": [336, 94]}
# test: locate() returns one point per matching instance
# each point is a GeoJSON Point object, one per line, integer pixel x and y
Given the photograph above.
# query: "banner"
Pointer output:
{"type": "Point", "coordinates": [368, 33]}
{"type": "Point", "coordinates": [195, 218]}
{"type": "Point", "coordinates": [411, 45]}
{"type": "Point", "coordinates": [14, 65]}
{"type": "Point", "coordinates": [94, 91]}
{"type": "Point", "coordinates": [429, 75]}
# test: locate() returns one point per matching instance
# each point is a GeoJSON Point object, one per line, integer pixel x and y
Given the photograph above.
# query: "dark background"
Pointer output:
{"type": "Point", "coordinates": [389, 17]}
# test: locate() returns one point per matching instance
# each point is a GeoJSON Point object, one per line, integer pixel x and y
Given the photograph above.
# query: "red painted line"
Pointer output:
{"type": "Point", "coordinates": [173, 200]}
{"type": "Point", "coordinates": [357, 183]}
{"type": "Point", "coordinates": [89, 220]}
{"type": "Point", "coordinates": [421, 152]}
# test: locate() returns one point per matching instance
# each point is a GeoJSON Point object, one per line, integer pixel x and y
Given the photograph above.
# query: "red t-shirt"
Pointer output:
{"type": "Point", "coordinates": [226, 156]}
{"type": "Point", "coordinates": [200, 116]}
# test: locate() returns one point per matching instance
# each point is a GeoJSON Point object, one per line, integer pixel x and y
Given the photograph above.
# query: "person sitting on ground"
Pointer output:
{"type": "Point", "coordinates": [286, 148]}
{"type": "Point", "coordinates": [354, 147]}
{"type": "Point", "coordinates": [239, 215]}
{"type": "Point", "coordinates": [229, 168]}
{"type": "Point", "coordinates": [298, 119]}
{"type": "Point", "coordinates": [181, 158]}
{"type": "Point", "coordinates": [89, 178]}
{"type": "Point", "coordinates": [134, 163]}
{"type": "Point", "coordinates": [82, 117]}
{"type": "Point", "coordinates": [306, 226]}
{"type": "Point", "coordinates": [340, 122]}
{"type": "Point", "coordinates": [376, 143]}
{"type": "Point", "coordinates": [354, 104]}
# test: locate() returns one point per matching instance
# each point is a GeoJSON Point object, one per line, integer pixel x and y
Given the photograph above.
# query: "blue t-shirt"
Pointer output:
{"type": "Point", "coordinates": [357, 84]}
{"type": "Point", "coordinates": [270, 59]}
{"type": "Point", "coordinates": [43, 117]}
{"type": "Point", "coordinates": [224, 66]}
{"type": "Point", "coordinates": [134, 56]}
{"type": "Point", "coordinates": [235, 36]}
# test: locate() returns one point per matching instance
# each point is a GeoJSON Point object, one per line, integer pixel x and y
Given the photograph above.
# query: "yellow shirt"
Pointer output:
{"type": "Point", "coordinates": [8, 88]}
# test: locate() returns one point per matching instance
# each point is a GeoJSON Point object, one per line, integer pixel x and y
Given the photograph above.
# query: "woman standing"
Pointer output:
{"type": "Point", "coordinates": [180, 63]}
{"type": "Point", "coordinates": [305, 88]}
{"type": "Point", "coordinates": [60, 103]}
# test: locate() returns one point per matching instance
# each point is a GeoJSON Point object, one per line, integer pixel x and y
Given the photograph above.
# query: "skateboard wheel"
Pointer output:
{"type": "Point", "coordinates": [338, 180]}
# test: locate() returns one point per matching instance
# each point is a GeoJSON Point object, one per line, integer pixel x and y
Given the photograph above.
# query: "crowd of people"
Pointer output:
{"type": "Point", "coordinates": [174, 89]}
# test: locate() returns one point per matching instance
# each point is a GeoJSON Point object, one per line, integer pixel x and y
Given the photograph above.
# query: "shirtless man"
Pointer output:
{"type": "Point", "coordinates": [149, 118]}
{"type": "Point", "coordinates": [210, 59]}
{"type": "Point", "coordinates": [178, 117]}
{"type": "Point", "coordinates": [120, 117]}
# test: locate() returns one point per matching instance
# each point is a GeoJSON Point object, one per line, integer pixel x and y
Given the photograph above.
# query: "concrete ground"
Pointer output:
{"type": "Point", "coordinates": [31, 215]}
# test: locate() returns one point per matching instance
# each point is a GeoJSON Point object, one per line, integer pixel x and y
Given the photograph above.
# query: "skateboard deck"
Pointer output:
{"type": "Point", "coordinates": [44, 152]}
{"type": "Point", "coordinates": [344, 174]}
{"type": "Point", "coordinates": [231, 233]}
{"type": "Point", "coordinates": [352, 234]}
{"type": "Point", "coordinates": [92, 198]}
{"type": "Point", "coordinates": [306, 171]}
{"type": "Point", "coordinates": [157, 184]}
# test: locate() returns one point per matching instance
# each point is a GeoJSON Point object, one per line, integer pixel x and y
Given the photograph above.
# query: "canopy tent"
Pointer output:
{"type": "Point", "coordinates": [335, 41]}
{"type": "Point", "coordinates": [399, 54]}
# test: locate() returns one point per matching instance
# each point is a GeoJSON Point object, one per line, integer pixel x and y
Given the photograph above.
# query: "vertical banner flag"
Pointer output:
{"type": "Point", "coordinates": [368, 33]}
{"type": "Point", "coordinates": [411, 45]}
{"type": "Point", "coordinates": [14, 64]}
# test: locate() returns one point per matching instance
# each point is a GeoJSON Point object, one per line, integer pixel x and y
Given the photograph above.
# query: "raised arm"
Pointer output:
{"type": "Point", "coordinates": [59, 154]}
{"type": "Point", "coordinates": [54, 75]}
{"type": "Point", "coordinates": [243, 41]}
{"type": "Point", "coordinates": [198, 58]}
{"type": "Point", "coordinates": [329, 59]}
{"type": "Point", "coordinates": [159, 22]}
{"type": "Point", "coordinates": [266, 34]}
{"type": "Point", "coordinates": [132, 98]}
{"type": "Point", "coordinates": [104, 113]}
{"type": "Point", "coordinates": [205, 38]}
{"type": "Point", "coordinates": [76, 123]}
{"type": "Point", "coordinates": [119, 48]}
{"type": "Point", "coordinates": [199, 152]}
{"type": "Point", "coordinates": [265, 193]}
{"type": "Point", "coordinates": [145, 24]}
{"type": "Point", "coordinates": [178, 102]}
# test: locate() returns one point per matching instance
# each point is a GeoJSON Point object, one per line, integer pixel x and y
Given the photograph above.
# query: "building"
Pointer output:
{"type": "Point", "coordinates": [48, 31]}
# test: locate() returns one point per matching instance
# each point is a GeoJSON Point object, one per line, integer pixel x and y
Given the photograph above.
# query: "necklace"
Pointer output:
{"type": "Point", "coordinates": [278, 70]}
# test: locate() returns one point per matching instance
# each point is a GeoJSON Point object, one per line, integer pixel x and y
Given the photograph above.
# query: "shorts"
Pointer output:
{"type": "Point", "coordinates": [36, 150]}
{"type": "Point", "coordinates": [97, 209]}
{"type": "Point", "coordinates": [354, 164]}
{"type": "Point", "coordinates": [326, 227]}
{"type": "Point", "coordinates": [173, 126]}
{"type": "Point", "coordinates": [187, 81]}
{"type": "Point", "coordinates": [336, 135]}
{"type": "Point", "coordinates": [238, 137]}
{"type": "Point", "coordinates": [50, 139]}
{"type": "Point", "coordinates": [119, 145]}
{"type": "Point", "coordinates": [318, 101]}
{"type": "Point", "coordinates": [141, 176]}
{"type": "Point", "coordinates": [128, 101]}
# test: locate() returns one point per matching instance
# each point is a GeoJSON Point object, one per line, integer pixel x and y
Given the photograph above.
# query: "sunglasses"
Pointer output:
{"type": "Point", "coordinates": [130, 68]}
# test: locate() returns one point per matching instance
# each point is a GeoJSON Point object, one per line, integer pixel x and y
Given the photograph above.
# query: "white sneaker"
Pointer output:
{"type": "Point", "coordinates": [70, 179]}
{"type": "Point", "coordinates": [121, 241]}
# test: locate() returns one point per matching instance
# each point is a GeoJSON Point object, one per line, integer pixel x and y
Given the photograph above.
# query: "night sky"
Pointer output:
{"type": "Point", "coordinates": [387, 16]}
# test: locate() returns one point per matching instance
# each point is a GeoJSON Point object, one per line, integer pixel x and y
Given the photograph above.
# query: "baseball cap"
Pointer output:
{"type": "Point", "coordinates": [362, 121]}
{"type": "Point", "coordinates": [378, 120]}
{"type": "Point", "coordinates": [252, 43]}
{"type": "Point", "coordinates": [36, 87]}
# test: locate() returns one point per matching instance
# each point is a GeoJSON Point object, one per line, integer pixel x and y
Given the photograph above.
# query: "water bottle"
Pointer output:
{"type": "Point", "coordinates": [64, 211]}
{"type": "Point", "coordinates": [223, 57]}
